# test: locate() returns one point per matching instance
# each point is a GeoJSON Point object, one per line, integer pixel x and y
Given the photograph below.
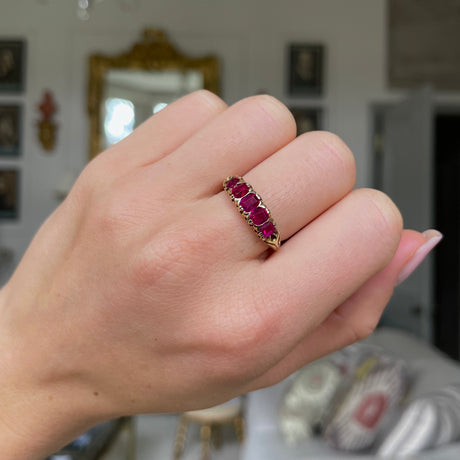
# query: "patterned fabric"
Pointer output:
{"type": "Point", "coordinates": [427, 422]}
{"type": "Point", "coordinates": [308, 399]}
{"type": "Point", "coordinates": [381, 383]}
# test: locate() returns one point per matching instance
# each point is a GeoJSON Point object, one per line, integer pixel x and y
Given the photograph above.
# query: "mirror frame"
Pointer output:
{"type": "Point", "coordinates": [154, 52]}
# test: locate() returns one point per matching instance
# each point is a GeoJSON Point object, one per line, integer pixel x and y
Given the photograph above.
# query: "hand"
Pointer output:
{"type": "Point", "coordinates": [146, 291]}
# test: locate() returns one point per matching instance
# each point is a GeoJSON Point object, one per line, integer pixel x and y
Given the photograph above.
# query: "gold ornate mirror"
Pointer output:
{"type": "Point", "coordinates": [126, 89]}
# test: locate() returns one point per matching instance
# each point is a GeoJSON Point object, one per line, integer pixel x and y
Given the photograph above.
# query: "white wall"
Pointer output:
{"type": "Point", "coordinates": [250, 37]}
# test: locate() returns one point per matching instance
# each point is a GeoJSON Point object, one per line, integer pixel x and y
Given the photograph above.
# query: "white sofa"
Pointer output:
{"type": "Point", "coordinates": [264, 440]}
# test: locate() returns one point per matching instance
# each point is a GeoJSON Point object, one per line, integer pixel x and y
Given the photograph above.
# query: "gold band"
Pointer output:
{"type": "Point", "coordinates": [251, 207]}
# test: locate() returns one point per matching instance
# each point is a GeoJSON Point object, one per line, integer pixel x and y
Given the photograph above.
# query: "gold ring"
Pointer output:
{"type": "Point", "coordinates": [251, 207]}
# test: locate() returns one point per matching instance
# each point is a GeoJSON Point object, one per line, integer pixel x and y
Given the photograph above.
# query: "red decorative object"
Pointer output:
{"type": "Point", "coordinates": [370, 411]}
{"type": "Point", "coordinates": [47, 107]}
{"type": "Point", "coordinates": [46, 126]}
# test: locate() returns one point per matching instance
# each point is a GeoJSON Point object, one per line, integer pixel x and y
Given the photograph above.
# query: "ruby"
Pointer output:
{"type": "Point", "coordinates": [259, 216]}
{"type": "Point", "coordinates": [232, 182]}
{"type": "Point", "coordinates": [240, 190]}
{"type": "Point", "coordinates": [249, 202]}
{"type": "Point", "coordinates": [267, 229]}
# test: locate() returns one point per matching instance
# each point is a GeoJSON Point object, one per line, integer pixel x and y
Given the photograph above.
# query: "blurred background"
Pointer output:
{"type": "Point", "coordinates": [382, 74]}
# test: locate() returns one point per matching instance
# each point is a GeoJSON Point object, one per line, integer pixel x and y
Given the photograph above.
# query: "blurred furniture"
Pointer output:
{"type": "Point", "coordinates": [211, 422]}
{"type": "Point", "coordinates": [263, 438]}
{"type": "Point", "coordinates": [95, 442]}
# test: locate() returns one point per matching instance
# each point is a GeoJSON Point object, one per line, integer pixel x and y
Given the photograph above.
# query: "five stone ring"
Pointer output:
{"type": "Point", "coordinates": [251, 207]}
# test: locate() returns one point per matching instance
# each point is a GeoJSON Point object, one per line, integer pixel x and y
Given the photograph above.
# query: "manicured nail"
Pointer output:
{"type": "Point", "coordinates": [433, 237]}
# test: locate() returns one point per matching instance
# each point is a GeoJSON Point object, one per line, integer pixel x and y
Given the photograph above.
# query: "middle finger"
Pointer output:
{"type": "Point", "coordinates": [239, 138]}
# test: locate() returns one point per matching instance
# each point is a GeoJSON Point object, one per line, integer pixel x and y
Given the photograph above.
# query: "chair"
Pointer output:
{"type": "Point", "coordinates": [211, 422]}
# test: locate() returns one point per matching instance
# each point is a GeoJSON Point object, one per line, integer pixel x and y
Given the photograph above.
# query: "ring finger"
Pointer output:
{"type": "Point", "coordinates": [297, 184]}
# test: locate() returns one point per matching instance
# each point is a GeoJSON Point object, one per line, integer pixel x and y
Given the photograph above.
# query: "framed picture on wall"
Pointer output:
{"type": "Point", "coordinates": [305, 69]}
{"type": "Point", "coordinates": [307, 119]}
{"type": "Point", "coordinates": [12, 66]}
{"type": "Point", "coordinates": [9, 193]}
{"type": "Point", "coordinates": [10, 130]}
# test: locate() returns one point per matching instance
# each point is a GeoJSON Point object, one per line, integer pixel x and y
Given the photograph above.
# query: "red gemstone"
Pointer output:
{"type": "Point", "coordinates": [267, 229]}
{"type": "Point", "coordinates": [232, 182]}
{"type": "Point", "coordinates": [259, 216]}
{"type": "Point", "coordinates": [240, 190]}
{"type": "Point", "coordinates": [249, 202]}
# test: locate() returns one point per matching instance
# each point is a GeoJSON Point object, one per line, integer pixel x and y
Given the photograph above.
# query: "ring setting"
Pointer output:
{"type": "Point", "coordinates": [252, 208]}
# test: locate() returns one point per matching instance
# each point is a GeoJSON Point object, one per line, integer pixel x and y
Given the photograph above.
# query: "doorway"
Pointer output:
{"type": "Point", "coordinates": [447, 221]}
{"type": "Point", "coordinates": [442, 176]}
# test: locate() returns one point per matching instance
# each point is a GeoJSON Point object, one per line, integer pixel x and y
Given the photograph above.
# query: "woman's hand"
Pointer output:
{"type": "Point", "coordinates": [146, 291]}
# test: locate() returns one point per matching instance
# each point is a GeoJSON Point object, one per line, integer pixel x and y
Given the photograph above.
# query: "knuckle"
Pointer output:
{"type": "Point", "coordinates": [365, 327]}
{"type": "Point", "coordinates": [243, 341]}
{"type": "Point", "coordinates": [226, 362]}
{"type": "Point", "coordinates": [265, 100]}
{"type": "Point", "coordinates": [234, 371]}
{"type": "Point", "coordinates": [382, 218]}
{"type": "Point", "coordinates": [246, 347]}
{"type": "Point", "coordinates": [85, 183]}
{"type": "Point", "coordinates": [236, 351]}
{"type": "Point", "coordinates": [338, 149]}
{"type": "Point", "coordinates": [355, 330]}
{"type": "Point", "coordinates": [208, 98]}
{"type": "Point", "coordinates": [108, 218]}
{"type": "Point", "coordinates": [273, 110]}
{"type": "Point", "coordinates": [390, 216]}
{"type": "Point", "coordinates": [95, 175]}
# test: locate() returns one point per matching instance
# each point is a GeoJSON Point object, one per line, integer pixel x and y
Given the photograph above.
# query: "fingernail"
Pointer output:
{"type": "Point", "coordinates": [433, 237]}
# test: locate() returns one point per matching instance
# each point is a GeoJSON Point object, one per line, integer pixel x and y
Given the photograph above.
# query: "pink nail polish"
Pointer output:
{"type": "Point", "coordinates": [433, 237]}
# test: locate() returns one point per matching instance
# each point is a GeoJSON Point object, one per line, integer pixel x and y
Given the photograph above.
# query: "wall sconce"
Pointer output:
{"type": "Point", "coordinates": [47, 128]}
